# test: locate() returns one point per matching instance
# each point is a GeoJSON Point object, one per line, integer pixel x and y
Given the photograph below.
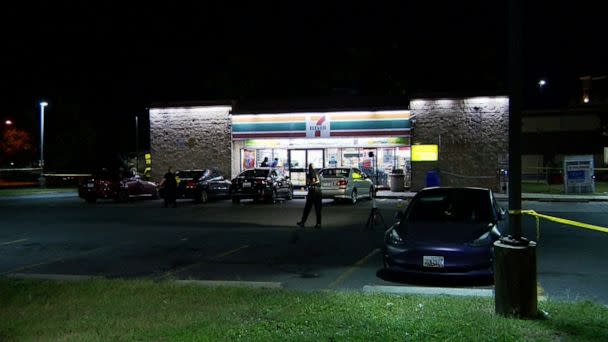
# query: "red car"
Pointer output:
{"type": "Point", "coordinates": [112, 186]}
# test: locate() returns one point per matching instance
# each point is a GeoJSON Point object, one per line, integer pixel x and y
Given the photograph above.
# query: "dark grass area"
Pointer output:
{"type": "Point", "coordinates": [117, 310]}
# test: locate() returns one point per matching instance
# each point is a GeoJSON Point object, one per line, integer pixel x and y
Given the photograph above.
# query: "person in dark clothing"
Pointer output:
{"type": "Point", "coordinates": [264, 162]}
{"type": "Point", "coordinates": [170, 188]}
{"type": "Point", "coordinates": [313, 197]}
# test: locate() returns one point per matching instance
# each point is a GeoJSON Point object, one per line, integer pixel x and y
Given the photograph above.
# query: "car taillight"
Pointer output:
{"type": "Point", "coordinates": [191, 184]}
{"type": "Point", "coordinates": [342, 183]}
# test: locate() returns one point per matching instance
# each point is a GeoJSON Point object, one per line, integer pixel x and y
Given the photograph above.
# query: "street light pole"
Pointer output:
{"type": "Point", "coordinates": [43, 104]}
{"type": "Point", "coordinates": [137, 143]}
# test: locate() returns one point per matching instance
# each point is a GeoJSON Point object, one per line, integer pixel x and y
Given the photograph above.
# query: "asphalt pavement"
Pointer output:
{"type": "Point", "coordinates": [258, 242]}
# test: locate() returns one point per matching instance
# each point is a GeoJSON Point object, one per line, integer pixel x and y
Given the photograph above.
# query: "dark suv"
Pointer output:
{"type": "Point", "coordinates": [261, 184]}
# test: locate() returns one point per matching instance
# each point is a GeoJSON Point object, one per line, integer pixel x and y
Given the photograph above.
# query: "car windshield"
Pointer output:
{"type": "Point", "coordinates": [190, 174]}
{"type": "Point", "coordinates": [467, 206]}
{"type": "Point", "coordinates": [335, 173]}
{"type": "Point", "coordinates": [255, 173]}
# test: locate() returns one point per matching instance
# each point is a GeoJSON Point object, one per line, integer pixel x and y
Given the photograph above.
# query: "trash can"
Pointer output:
{"type": "Point", "coordinates": [397, 181]}
{"type": "Point", "coordinates": [432, 178]}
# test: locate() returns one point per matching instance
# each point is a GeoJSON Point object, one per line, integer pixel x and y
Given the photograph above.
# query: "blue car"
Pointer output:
{"type": "Point", "coordinates": [445, 232]}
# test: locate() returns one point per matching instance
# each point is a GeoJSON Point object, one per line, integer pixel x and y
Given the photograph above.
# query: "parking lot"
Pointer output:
{"type": "Point", "coordinates": [259, 242]}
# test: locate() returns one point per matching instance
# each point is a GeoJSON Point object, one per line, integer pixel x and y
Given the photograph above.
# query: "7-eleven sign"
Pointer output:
{"type": "Point", "coordinates": [317, 126]}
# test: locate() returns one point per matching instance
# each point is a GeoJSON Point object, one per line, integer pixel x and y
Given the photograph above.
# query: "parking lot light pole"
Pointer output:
{"type": "Point", "coordinates": [514, 255]}
{"type": "Point", "coordinates": [43, 104]}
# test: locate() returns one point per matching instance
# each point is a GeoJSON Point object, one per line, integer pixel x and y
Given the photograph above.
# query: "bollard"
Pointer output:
{"type": "Point", "coordinates": [515, 278]}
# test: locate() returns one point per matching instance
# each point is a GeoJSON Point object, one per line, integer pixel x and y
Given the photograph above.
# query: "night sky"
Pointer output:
{"type": "Point", "coordinates": [100, 63]}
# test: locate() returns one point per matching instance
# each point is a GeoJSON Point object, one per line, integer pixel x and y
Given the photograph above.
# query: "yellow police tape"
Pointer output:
{"type": "Point", "coordinates": [538, 216]}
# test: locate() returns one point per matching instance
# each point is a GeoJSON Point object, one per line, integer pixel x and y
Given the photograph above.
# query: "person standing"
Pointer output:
{"type": "Point", "coordinates": [170, 188]}
{"type": "Point", "coordinates": [264, 162]}
{"type": "Point", "coordinates": [313, 197]}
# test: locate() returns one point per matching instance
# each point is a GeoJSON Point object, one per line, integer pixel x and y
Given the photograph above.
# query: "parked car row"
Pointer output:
{"type": "Point", "coordinates": [201, 185]}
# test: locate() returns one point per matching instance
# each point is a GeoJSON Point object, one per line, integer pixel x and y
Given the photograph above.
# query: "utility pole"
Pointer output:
{"type": "Point", "coordinates": [515, 256]}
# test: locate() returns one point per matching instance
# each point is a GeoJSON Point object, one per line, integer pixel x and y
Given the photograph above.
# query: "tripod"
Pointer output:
{"type": "Point", "coordinates": [374, 217]}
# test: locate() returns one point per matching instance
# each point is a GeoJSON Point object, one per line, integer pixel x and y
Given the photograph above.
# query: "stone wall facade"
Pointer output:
{"type": "Point", "coordinates": [190, 138]}
{"type": "Point", "coordinates": [472, 135]}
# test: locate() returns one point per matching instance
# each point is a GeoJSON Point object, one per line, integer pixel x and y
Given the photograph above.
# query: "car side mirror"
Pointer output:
{"type": "Point", "coordinates": [502, 214]}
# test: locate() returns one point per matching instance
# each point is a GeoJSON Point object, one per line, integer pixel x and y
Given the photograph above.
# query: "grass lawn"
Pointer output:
{"type": "Point", "coordinates": [34, 191]}
{"type": "Point", "coordinates": [119, 310]}
{"type": "Point", "coordinates": [601, 188]}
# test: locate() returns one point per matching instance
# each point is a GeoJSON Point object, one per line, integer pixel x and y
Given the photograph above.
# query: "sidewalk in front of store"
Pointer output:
{"type": "Point", "coordinates": [500, 196]}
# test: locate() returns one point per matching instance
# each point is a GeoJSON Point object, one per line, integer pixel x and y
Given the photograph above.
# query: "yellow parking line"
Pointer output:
{"type": "Point", "coordinates": [232, 251]}
{"type": "Point", "coordinates": [215, 257]}
{"type": "Point", "coordinates": [11, 242]}
{"type": "Point", "coordinates": [353, 268]}
{"type": "Point", "coordinates": [52, 261]}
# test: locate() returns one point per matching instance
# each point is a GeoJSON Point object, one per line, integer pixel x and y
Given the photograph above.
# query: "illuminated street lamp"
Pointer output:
{"type": "Point", "coordinates": [42, 105]}
{"type": "Point", "coordinates": [8, 122]}
{"type": "Point", "coordinates": [542, 83]}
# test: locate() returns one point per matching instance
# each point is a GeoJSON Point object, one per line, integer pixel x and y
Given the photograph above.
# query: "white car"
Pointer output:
{"type": "Point", "coordinates": [344, 183]}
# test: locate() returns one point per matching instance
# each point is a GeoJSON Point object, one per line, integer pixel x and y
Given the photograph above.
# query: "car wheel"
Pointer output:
{"type": "Point", "coordinates": [236, 200]}
{"type": "Point", "coordinates": [353, 197]}
{"type": "Point", "coordinates": [203, 197]}
{"type": "Point", "coordinates": [290, 194]}
{"type": "Point", "coordinates": [91, 199]}
{"type": "Point", "coordinates": [274, 198]}
{"type": "Point", "coordinates": [123, 196]}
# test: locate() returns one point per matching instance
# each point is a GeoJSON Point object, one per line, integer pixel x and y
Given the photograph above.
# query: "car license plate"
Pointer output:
{"type": "Point", "coordinates": [432, 261]}
{"type": "Point", "coordinates": [328, 184]}
{"type": "Point", "coordinates": [246, 185]}
{"type": "Point", "coordinates": [90, 185]}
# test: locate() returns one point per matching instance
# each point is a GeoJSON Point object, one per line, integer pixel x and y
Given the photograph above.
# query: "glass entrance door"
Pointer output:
{"type": "Point", "coordinates": [298, 164]}
{"type": "Point", "coordinates": [316, 157]}
{"type": "Point", "coordinates": [297, 167]}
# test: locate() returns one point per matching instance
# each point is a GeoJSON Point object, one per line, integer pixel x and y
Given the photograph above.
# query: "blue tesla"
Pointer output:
{"type": "Point", "coordinates": [445, 232]}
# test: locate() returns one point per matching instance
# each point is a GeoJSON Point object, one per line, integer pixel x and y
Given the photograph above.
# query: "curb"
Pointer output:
{"type": "Point", "coordinates": [209, 283]}
{"type": "Point", "coordinates": [61, 277]}
{"type": "Point", "coordinates": [40, 196]}
{"type": "Point", "coordinates": [429, 291]}
{"type": "Point", "coordinates": [230, 283]}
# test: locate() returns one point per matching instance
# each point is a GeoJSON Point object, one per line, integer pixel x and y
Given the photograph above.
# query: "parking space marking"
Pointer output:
{"type": "Point", "coordinates": [11, 242]}
{"type": "Point", "coordinates": [26, 267]}
{"type": "Point", "coordinates": [353, 268]}
{"type": "Point", "coordinates": [216, 257]}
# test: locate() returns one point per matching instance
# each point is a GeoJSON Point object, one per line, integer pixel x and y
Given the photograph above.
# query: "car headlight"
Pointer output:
{"type": "Point", "coordinates": [394, 238]}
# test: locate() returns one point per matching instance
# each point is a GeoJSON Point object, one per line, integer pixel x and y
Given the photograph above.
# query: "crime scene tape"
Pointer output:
{"type": "Point", "coordinates": [538, 216]}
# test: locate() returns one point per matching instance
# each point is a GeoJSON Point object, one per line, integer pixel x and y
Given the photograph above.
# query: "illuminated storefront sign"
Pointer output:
{"type": "Point", "coordinates": [327, 142]}
{"type": "Point", "coordinates": [425, 153]}
{"type": "Point", "coordinates": [321, 125]}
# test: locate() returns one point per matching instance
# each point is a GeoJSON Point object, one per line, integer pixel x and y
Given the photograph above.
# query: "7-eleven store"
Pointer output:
{"type": "Point", "coordinates": [376, 142]}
